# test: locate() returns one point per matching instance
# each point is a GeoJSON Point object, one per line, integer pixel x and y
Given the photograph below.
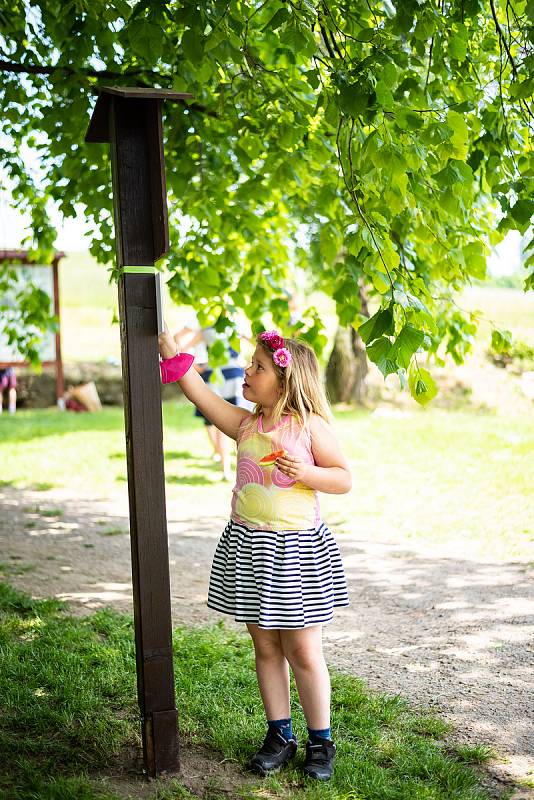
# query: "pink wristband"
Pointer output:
{"type": "Point", "coordinates": [172, 369]}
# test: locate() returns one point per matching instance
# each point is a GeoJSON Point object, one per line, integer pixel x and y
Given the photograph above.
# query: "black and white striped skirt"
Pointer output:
{"type": "Point", "coordinates": [277, 579]}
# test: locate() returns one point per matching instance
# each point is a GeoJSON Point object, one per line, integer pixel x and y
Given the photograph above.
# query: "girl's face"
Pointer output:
{"type": "Point", "coordinates": [262, 384]}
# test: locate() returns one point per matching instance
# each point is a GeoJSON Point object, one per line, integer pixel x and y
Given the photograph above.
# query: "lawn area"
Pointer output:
{"type": "Point", "coordinates": [69, 710]}
{"type": "Point", "coordinates": [432, 474]}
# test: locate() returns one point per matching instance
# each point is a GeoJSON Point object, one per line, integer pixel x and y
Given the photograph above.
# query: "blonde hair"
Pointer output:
{"type": "Point", "coordinates": [303, 393]}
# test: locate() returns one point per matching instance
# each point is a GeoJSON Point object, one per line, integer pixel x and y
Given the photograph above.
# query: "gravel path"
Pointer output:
{"type": "Point", "coordinates": [444, 629]}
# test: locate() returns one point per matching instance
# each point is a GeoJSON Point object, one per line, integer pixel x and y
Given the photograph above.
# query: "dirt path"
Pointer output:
{"type": "Point", "coordinates": [438, 626]}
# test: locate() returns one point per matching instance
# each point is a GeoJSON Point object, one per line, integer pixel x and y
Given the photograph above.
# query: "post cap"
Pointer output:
{"type": "Point", "coordinates": [98, 130]}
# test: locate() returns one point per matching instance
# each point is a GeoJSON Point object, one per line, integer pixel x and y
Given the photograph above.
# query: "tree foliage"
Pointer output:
{"type": "Point", "coordinates": [396, 137]}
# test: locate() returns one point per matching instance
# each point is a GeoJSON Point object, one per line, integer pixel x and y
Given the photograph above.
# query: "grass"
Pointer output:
{"type": "Point", "coordinates": [68, 701]}
{"type": "Point", "coordinates": [43, 512]}
{"type": "Point", "coordinates": [15, 569]}
{"type": "Point", "coordinates": [113, 531]}
{"type": "Point", "coordinates": [432, 475]}
{"type": "Point", "coordinates": [42, 486]}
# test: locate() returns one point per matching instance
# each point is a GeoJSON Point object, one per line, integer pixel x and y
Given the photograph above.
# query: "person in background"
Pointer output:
{"type": "Point", "coordinates": [8, 380]}
{"type": "Point", "coordinates": [198, 340]}
{"type": "Point", "coordinates": [294, 304]}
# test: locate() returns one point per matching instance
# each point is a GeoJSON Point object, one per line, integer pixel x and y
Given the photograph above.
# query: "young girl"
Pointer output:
{"type": "Point", "coordinates": [277, 566]}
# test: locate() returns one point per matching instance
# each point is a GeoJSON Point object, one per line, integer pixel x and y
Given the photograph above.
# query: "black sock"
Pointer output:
{"type": "Point", "coordinates": [315, 736]}
{"type": "Point", "coordinates": [282, 725]}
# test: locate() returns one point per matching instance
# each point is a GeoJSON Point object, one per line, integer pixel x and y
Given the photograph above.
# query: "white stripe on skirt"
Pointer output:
{"type": "Point", "coordinates": [277, 579]}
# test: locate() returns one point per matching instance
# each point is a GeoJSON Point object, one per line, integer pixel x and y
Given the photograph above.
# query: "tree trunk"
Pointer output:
{"type": "Point", "coordinates": [347, 366]}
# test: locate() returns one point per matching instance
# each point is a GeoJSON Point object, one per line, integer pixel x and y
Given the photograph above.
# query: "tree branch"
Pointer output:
{"type": "Point", "coordinates": [429, 61]}
{"type": "Point", "coordinates": [37, 69]}
{"type": "Point", "coordinates": [503, 39]}
{"type": "Point", "coordinates": [327, 43]}
{"type": "Point", "coordinates": [352, 193]}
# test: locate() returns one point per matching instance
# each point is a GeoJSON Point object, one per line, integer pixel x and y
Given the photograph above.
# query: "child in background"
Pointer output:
{"type": "Point", "coordinates": [8, 380]}
{"type": "Point", "coordinates": [277, 566]}
{"type": "Point", "coordinates": [232, 373]}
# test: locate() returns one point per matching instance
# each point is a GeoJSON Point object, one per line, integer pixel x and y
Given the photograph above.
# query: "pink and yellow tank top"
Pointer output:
{"type": "Point", "coordinates": [263, 496]}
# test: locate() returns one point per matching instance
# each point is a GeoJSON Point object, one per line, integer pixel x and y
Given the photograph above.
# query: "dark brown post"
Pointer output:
{"type": "Point", "coordinates": [130, 120]}
{"type": "Point", "coordinates": [60, 385]}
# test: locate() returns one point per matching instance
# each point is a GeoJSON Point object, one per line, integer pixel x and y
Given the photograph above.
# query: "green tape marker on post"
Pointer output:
{"type": "Point", "coordinates": [141, 270]}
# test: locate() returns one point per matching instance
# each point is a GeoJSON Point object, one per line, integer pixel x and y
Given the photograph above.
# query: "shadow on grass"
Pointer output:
{"type": "Point", "coordinates": [68, 690]}
{"type": "Point", "coordinates": [41, 423]}
{"type": "Point", "coordinates": [171, 455]}
{"type": "Point", "coordinates": [189, 480]}
{"type": "Point", "coordinates": [181, 480]}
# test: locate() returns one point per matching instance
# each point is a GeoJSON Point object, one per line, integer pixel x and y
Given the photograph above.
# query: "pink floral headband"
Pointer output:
{"type": "Point", "coordinates": [275, 342]}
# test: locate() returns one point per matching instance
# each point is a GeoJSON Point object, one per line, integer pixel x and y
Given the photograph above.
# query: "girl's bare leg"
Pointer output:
{"type": "Point", "coordinates": [303, 648]}
{"type": "Point", "coordinates": [224, 444]}
{"type": "Point", "coordinates": [212, 436]}
{"type": "Point", "coordinates": [272, 671]}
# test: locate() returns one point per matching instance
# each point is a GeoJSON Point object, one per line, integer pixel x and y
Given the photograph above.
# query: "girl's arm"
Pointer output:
{"type": "Point", "coordinates": [221, 413]}
{"type": "Point", "coordinates": [331, 471]}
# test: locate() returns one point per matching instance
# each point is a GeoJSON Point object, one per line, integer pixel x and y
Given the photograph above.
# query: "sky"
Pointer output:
{"type": "Point", "coordinates": [72, 237]}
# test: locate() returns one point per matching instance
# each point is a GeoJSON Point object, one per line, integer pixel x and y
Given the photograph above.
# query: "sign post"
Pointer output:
{"type": "Point", "coordinates": [130, 120]}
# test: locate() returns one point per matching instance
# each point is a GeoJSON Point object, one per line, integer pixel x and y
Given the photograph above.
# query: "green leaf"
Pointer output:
{"type": "Point", "coordinates": [389, 74]}
{"type": "Point", "coordinates": [475, 259]}
{"type": "Point", "coordinates": [146, 39]}
{"type": "Point", "coordinates": [379, 352]}
{"type": "Point", "coordinates": [379, 323]}
{"type": "Point", "coordinates": [348, 315]}
{"type": "Point", "coordinates": [312, 76]}
{"type": "Point", "coordinates": [353, 99]}
{"type": "Point", "coordinates": [218, 350]}
{"type": "Point", "coordinates": [278, 19]}
{"type": "Point", "coordinates": [406, 344]}
{"type": "Point", "coordinates": [458, 46]}
{"type": "Point", "coordinates": [422, 385]}
{"type": "Point", "coordinates": [192, 46]}
{"type": "Point", "coordinates": [522, 213]}
{"type": "Point", "coordinates": [501, 340]}
{"type": "Point", "coordinates": [454, 172]}
{"type": "Point", "coordinates": [365, 34]}
{"type": "Point", "coordinates": [380, 281]}
{"type": "Point", "coordinates": [214, 39]}
{"type": "Point", "coordinates": [384, 96]}
{"type": "Point", "coordinates": [459, 126]}
{"type": "Point", "coordinates": [458, 42]}
{"type": "Point", "coordinates": [523, 89]}
{"type": "Point", "coordinates": [409, 120]}
{"type": "Point", "coordinates": [390, 255]}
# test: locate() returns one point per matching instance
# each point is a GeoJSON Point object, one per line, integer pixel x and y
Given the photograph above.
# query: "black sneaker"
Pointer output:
{"type": "Point", "coordinates": [275, 751]}
{"type": "Point", "coordinates": [319, 762]}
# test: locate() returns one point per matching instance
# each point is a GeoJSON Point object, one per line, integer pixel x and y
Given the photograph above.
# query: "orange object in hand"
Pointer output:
{"type": "Point", "coordinates": [271, 457]}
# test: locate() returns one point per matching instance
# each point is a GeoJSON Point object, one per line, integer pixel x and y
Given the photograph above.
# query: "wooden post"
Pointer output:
{"type": "Point", "coordinates": [130, 120]}
{"type": "Point", "coordinates": [60, 384]}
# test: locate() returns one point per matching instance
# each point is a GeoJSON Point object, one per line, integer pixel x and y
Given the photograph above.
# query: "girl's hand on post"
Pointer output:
{"type": "Point", "coordinates": [292, 466]}
{"type": "Point", "coordinates": [166, 344]}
